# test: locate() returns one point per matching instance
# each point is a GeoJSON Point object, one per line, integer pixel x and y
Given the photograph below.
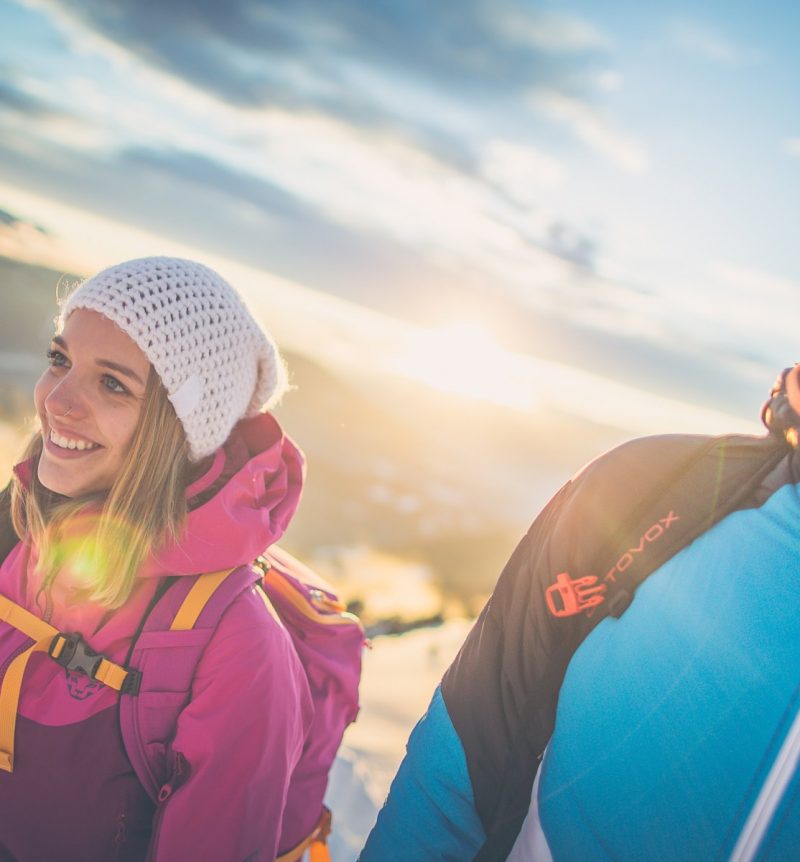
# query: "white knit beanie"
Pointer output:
{"type": "Point", "coordinates": [216, 363]}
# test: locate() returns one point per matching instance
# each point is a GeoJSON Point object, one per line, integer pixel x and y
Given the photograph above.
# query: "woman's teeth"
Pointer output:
{"type": "Point", "coordinates": [66, 443]}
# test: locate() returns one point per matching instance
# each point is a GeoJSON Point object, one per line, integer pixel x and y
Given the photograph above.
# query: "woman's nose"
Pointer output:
{"type": "Point", "coordinates": [65, 400]}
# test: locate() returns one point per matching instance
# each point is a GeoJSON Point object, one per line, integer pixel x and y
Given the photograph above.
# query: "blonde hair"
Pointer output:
{"type": "Point", "coordinates": [107, 536]}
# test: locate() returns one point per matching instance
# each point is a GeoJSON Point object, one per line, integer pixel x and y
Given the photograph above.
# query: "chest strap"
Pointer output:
{"type": "Point", "coordinates": [68, 650]}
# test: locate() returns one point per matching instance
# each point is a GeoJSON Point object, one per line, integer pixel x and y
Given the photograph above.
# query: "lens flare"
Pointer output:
{"type": "Point", "coordinates": [82, 552]}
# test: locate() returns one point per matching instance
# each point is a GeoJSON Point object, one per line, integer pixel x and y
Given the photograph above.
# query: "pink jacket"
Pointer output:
{"type": "Point", "coordinates": [244, 728]}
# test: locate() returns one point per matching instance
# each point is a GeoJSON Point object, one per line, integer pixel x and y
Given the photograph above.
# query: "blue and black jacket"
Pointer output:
{"type": "Point", "coordinates": [659, 729]}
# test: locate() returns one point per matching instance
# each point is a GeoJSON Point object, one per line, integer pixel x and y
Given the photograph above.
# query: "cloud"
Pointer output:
{"type": "Point", "coordinates": [744, 311]}
{"type": "Point", "coordinates": [206, 204]}
{"type": "Point", "coordinates": [204, 172]}
{"type": "Point", "coordinates": [731, 293]}
{"type": "Point", "coordinates": [608, 80]}
{"type": "Point", "coordinates": [8, 220]}
{"type": "Point", "coordinates": [519, 169]}
{"type": "Point", "coordinates": [391, 121]}
{"type": "Point", "coordinates": [589, 125]}
{"type": "Point", "coordinates": [18, 100]}
{"type": "Point", "coordinates": [548, 31]}
{"type": "Point", "coordinates": [791, 146]}
{"type": "Point", "coordinates": [24, 239]}
{"type": "Point", "coordinates": [308, 54]}
{"type": "Point", "coordinates": [554, 307]}
{"type": "Point", "coordinates": [363, 149]}
{"type": "Point", "coordinates": [710, 44]}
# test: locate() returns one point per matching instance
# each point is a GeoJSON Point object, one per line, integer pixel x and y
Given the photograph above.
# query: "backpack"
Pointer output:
{"type": "Point", "coordinates": [172, 634]}
{"type": "Point", "coordinates": [582, 560]}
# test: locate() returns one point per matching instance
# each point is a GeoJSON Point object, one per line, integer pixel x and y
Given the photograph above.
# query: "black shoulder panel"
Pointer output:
{"type": "Point", "coordinates": [608, 528]}
{"type": "Point", "coordinates": [8, 538]}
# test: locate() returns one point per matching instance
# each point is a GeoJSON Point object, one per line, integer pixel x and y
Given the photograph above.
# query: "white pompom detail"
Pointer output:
{"type": "Point", "coordinates": [187, 396]}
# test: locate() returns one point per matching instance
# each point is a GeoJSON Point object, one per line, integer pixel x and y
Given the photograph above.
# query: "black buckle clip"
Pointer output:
{"type": "Point", "coordinates": [75, 654]}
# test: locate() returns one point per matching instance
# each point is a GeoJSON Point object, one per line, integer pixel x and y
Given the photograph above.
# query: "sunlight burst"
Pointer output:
{"type": "Point", "coordinates": [463, 358]}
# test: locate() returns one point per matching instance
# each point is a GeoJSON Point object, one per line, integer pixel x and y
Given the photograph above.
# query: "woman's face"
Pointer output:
{"type": "Point", "coordinates": [88, 401]}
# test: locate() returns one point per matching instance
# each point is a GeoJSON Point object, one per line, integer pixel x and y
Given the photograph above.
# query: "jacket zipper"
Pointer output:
{"type": "Point", "coordinates": [772, 791]}
{"type": "Point", "coordinates": [178, 770]}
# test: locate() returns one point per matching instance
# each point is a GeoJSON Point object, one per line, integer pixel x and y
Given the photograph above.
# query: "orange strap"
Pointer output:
{"type": "Point", "coordinates": [23, 620]}
{"type": "Point", "coordinates": [44, 635]}
{"type": "Point", "coordinates": [9, 698]}
{"type": "Point", "coordinates": [197, 597]}
{"type": "Point", "coordinates": [315, 843]}
{"type": "Point", "coordinates": [319, 852]}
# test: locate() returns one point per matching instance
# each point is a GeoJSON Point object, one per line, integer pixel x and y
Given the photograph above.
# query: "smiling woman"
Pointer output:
{"type": "Point", "coordinates": [154, 463]}
{"type": "Point", "coordinates": [88, 415]}
{"type": "Point", "coordinates": [102, 442]}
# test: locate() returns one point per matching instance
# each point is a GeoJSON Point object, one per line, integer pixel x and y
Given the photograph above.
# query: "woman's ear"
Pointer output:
{"type": "Point", "coordinates": [793, 388]}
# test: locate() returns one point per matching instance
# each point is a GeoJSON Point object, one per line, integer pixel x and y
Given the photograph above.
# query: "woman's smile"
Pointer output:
{"type": "Point", "coordinates": [65, 445]}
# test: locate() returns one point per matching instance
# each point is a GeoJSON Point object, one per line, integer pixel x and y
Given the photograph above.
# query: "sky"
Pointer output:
{"type": "Point", "coordinates": [591, 202]}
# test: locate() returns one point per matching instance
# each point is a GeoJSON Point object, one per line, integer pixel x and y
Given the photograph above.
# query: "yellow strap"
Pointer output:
{"type": "Point", "coordinates": [23, 620]}
{"type": "Point", "coordinates": [197, 597]}
{"type": "Point", "coordinates": [110, 674]}
{"type": "Point", "coordinates": [9, 698]}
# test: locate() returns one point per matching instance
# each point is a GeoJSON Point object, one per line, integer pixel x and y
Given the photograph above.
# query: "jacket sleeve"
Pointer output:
{"type": "Point", "coordinates": [432, 791]}
{"type": "Point", "coordinates": [236, 744]}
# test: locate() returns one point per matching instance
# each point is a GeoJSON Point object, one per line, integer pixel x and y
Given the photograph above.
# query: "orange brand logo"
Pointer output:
{"type": "Point", "coordinates": [651, 534]}
{"type": "Point", "coordinates": [569, 596]}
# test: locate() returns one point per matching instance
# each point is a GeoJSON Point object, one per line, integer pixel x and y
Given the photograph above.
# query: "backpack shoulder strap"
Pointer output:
{"type": "Point", "coordinates": [721, 476]}
{"type": "Point", "coordinates": [8, 538]}
{"type": "Point", "coordinates": [583, 558]}
{"type": "Point", "coordinates": [175, 630]}
{"type": "Point", "coordinates": [197, 598]}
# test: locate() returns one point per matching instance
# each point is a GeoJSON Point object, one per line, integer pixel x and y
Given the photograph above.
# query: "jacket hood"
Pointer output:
{"type": "Point", "coordinates": [248, 513]}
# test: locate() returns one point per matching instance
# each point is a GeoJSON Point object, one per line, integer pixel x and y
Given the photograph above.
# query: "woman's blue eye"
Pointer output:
{"type": "Point", "coordinates": [58, 360]}
{"type": "Point", "coordinates": [113, 385]}
{"type": "Point", "coordinates": [56, 357]}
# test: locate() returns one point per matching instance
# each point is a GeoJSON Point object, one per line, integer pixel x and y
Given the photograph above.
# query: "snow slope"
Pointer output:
{"type": "Point", "coordinates": [400, 675]}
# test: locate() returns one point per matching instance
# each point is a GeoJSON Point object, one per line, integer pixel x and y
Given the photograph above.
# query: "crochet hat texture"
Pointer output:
{"type": "Point", "coordinates": [216, 363]}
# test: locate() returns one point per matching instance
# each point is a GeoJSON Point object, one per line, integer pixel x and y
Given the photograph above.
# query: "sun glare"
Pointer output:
{"type": "Point", "coordinates": [464, 358]}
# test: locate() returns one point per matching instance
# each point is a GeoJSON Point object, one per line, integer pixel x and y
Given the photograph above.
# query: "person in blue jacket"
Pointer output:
{"type": "Point", "coordinates": [581, 722]}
